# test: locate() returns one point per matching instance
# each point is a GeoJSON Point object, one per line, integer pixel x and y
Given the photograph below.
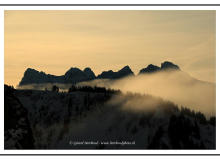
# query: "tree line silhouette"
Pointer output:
{"type": "Point", "coordinates": [198, 115]}
{"type": "Point", "coordinates": [54, 88]}
{"type": "Point", "coordinates": [182, 128]}
{"type": "Point", "coordinates": [167, 107]}
{"type": "Point", "coordinates": [8, 89]}
{"type": "Point", "coordinates": [94, 89]}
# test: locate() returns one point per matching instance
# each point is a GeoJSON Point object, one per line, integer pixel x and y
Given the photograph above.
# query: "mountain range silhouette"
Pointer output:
{"type": "Point", "coordinates": [75, 75]}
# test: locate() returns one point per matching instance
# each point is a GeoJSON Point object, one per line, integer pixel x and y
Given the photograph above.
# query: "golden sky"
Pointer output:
{"type": "Point", "coordinates": [54, 41]}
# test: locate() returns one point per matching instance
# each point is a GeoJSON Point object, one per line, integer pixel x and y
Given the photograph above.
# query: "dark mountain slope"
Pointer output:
{"type": "Point", "coordinates": [106, 120]}
{"type": "Point", "coordinates": [17, 130]}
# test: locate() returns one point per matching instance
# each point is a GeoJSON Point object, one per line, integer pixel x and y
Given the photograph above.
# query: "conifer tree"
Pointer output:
{"type": "Point", "coordinates": [196, 129]}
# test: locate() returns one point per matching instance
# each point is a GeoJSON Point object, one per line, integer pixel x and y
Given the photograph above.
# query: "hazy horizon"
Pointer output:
{"type": "Point", "coordinates": [172, 85]}
{"type": "Point", "coordinates": [55, 41]}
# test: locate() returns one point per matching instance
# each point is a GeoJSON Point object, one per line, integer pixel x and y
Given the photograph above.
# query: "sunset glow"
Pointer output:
{"type": "Point", "coordinates": [54, 41]}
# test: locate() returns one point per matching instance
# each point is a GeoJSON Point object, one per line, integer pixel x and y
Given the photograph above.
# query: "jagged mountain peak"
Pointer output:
{"type": "Point", "coordinates": [31, 70]}
{"type": "Point", "coordinates": [126, 68]}
{"type": "Point", "coordinates": [89, 73]}
{"type": "Point", "coordinates": [150, 68]}
{"type": "Point", "coordinates": [153, 68]}
{"type": "Point", "coordinates": [109, 71]}
{"type": "Point", "coordinates": [74, 72]}
{"type": "Point", "coordinates": [75, 75]}
{"type": "Point", "coordinates": [170, 65]}
{"type": "Point", "coordinates": [74, 69]}
{"type": "Point", "coordinates": [87, 69]}
{"type": "Point", "coordinates": [125, 71]}
{"type": "Point", "coordinates": [106, 74]}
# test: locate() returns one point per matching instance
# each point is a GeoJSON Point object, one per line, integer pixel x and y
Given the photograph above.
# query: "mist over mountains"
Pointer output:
{"type": "Point", "coordinates": [160, 108]}
{"type": "Point", "coordinates": [174, 85]}
{"type": "Point", "coordinates": [75, 75]}
{"type": "Point", "coordinates": [98, 118]}
{"type": "Point", "coordinates": [167, 81]}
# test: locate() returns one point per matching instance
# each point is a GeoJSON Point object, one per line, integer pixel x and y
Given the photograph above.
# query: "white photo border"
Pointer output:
{"type": "Point", "coordinates": [91, 152]}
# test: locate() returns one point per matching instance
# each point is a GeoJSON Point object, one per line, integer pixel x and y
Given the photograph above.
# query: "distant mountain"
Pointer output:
{"type": "Point", "coordinates": [106, 74]}
{"type": "Point", "coordinates": [73, 75]}
{"type": "Point", "coordinates": [152, 68]}
{"type": "Point", "coordinates": [126, 71]}
{"type": "Point", "coordinates": [149, 121]}
{"type": "Point", "coordinates": [89, 73]}
{"type": "Point", "coordinates": [169, 65]}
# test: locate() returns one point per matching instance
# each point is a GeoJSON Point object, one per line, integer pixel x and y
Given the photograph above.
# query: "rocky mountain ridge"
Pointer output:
{"type": "Point", "coordinates": [152, 68]}
{"type": "Point", "coordinates": [75, 75]}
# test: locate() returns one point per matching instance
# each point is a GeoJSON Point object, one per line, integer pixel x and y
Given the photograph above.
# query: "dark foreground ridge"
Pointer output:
{"type": "Point", "coordinates": [17, 129]}
{"type": "Point", "coordinates": [100, 116]}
